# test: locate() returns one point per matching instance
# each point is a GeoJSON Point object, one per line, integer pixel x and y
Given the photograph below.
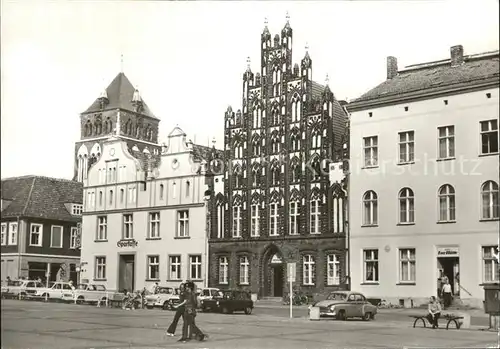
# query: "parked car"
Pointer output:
{"type": "Point", "coordinates": [20, 288]}
{"type": "Point", "coordinates": [61, 291]}
{"type": "Point", "coordinates": [90, 293]}
{"type": "Point", "coordinates": [346, 304]}
{"type": "Point", "coordinates": [164, 298]}
{"type": "Point", "coordinates": [206, 293]}
{"type": "Point", "coordinates": [229, 301]}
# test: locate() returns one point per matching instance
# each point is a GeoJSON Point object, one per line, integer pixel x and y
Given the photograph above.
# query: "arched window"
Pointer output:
{"type": "Point", "coordinates": [98, 127]}
{"type": "Point", "coordinates": [238, 150]}
{"type": "Point", "coordinates": [174, 190]}
{"type": "Point", "coordinates": [275, 115]}
{"type": "Point", "coordinates": [489, 200]}
{"type": "Point", "coordinates": [188, 188]}
{"type": "Point", "coordinates": [236, 218]}
{"type": "Point", "coordinates": [446, 195]}
{"type": "Point", "coordinates": [255, 176]}
{"type": "Point", "coordinates": [238, 177]}
{"type": "Point", "coordinates": [275, 144]}
{"type": "Point", "coordinates": [314, 215]}
{"type": "Point", "coordinates": [122, 195]}
{"type": "Point", "coordinates": [220, 219]}
{"type": "Point", "coordinates": [293, 221]}
{"type": "Point", "coordinates": [256, 147]}
{"type": "Point", "coordinates": [315, 139]}
{"type": "Point", "coordinates": [316, 168]}
{"type": "Point", "coordinates": [257, 116]}
{"type": "Point", "coordinates": [295, 142]}
{"type": "Point", "coordinates": [370, 208]}
{"type": "Point", "coordinates": [111, 197]}
{"type": "Point", "coordinates": [406, 206]}
{"type": "Point", "coordinates": [275, 175]}
{"type": "Point", "coordinates": [308, 270]}
{"type": "Point", "coordinates": [162, 191]}
{"type": "Point", "coordinates": [100, 198]}
{"type": "Point", "coordinates": [295, 170]}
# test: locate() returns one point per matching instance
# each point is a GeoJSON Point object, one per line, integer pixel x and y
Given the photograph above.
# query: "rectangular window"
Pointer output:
{"type": "Point", "coordinates": [491, 269]}
{"type": "Point", "coordinates": [91, 199]}
{"type": "Point", "coordinates": [370, 258]}
{"type": "Point", "coordinates": [406, 147]}
{"type": "Point", "coordinates": [183, 223]}
{"type": "Point", "coordinates": [132, 195]}
{"type": "Point", "coordinates": [446, 138]}
{"type": "Point", "coordinates": [36, 234]}
{"type": "Point", "coordinates": [154, 267]}
{"type": "Point", "coordinates": [314, 229]}
{"type": "Point", "coordinates": [223, 270]}
{"type": "Point", "coordinates": [244, 270]}
{"type": "Point", "coordinates": [333, 269]}
{"type": "Point", "coordinates": [254, 229]}
{"type": "Point", "coordinates": [294, 218]}
{"type": "Point", "coordinates": [76, 209]}
{"type": "Point", "coordinates": [56, 236]}
{"type": "Point", "coordinates": [308, 270]}
{"type": "Point", "coordinates": [12, 240]}
{"type": "Point", "coordinates": [489, 137]}
{"type": "Point", "coordinates": [195, 267]}
{"type": "Point", "coordinates": [407, 268]}
{"type": "Point", "coordinates": [273, 219]}
{"type": "Point", "coordinates": [4, 234]}
{"type": "Point", "coordinates": [102, 228]}
{"type": "Point", "coordinates": [100, 268]}
{"type": "Point", "coordinates": [128, 226]}
{"type": "Point", "coordinates": [370, 149]}
{"type": "Point", "coordinates": [154, 225]}
{"type": "Point", "coordinates": [175, 267]}
{"type": "Point", "coordinates": [73, 236]}
{"type": "Point", "coordinates": [236, 221]}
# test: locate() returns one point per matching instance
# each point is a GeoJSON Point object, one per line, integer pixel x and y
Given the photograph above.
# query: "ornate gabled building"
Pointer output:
{"type": "Point", "coordinates": [118, 111]}
{"type": "Point", "coordinates": [273, 202]}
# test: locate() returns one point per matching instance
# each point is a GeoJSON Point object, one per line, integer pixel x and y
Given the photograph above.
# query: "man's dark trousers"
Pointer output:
{"type": "Point", "coordinates": [173, 326]}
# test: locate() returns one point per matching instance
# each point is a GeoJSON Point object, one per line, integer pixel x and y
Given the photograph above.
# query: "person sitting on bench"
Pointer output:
{"type": "Point", "coordinates": [434, 312]}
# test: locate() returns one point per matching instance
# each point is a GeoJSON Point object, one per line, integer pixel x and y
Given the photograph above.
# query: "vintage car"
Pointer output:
{"type": "Point", "coordinates": [229, 301]}
{"type": "Point", "coordinates": [165, 298]}
{"type": "Point", "coordinates": [346, 304]}
{"type": "Point", "coordinates": [207, 293]}
{"type": "Point", "coordinates": [90, 293]}
{"type": "Point", "coordinates": [59, 291]}
{"type": "Point", "coordinates": [20, 289]}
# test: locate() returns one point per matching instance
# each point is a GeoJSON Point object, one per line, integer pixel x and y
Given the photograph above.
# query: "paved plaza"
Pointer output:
{"type": "Point", "coordinates": [50, 325]}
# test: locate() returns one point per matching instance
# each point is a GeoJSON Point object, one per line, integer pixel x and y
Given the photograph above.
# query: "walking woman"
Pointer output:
{"type": "Point", "coordinates": [179, 312]}
{"type": "Point", "coordinates": [189, 327]}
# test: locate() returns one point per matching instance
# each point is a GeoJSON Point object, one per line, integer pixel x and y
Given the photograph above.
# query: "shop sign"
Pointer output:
{"type": "Point", "coordinates": [447, 252]}
{"type": "Point", "coordinates": [127, 243]}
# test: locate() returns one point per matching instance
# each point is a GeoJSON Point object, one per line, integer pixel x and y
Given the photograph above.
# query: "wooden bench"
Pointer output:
{"type": "Point", "coordinates": [449, 317]}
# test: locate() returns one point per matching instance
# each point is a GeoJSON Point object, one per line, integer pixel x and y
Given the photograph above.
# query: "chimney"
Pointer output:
{"type": "Point", "coordinates": [457, 55]}
{"type": "Point", "coordinates": [392, 67]}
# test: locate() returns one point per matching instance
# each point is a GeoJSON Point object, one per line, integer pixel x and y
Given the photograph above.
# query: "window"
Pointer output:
{"type": "Point", "coordinates": [275, 145]}
{"type": "Point", "coordinates": [188, 188]}
{"type": "Point", "coordinates": [223, 270]}
{"type": "Point", "coordinates": [183, 223]}
{"type": "Point", "coordinates": [154, 225]}
{"type": "Point", "coordinates": [256, 148]}
{"type": "Point", "coordinates": [316, 140]}
{"type": "Point", "coordinates": [91, 199]}
{"type": "Point", "coordinates": [244, 270]}
{"type": "Point", "coordinates": [36, 234]}
{"type": "Point", "coordinates": [175, 268]}
{"type": "Point", "coordinates": [333, 269]}
{"type": "Point", "coordinates": [370, 148]}
{"type": "Point", "coordinates": [273, 219]}
{"type": "Point", "coordinates": [220, 220]}
{"type": "Point", "coordinates": [154, 267]}
{"type": "Point", "coordinates": [56, 236]}
{"type": "Point", "coordinates": [12, 240]}
{"type": "Point", "coordinates": [295, 173]}
{"type": "Point", "coordinates": [370, 208]}
{"type": "Point", "coordinates": [100, 268]}
{"type": "Point", "coordinates": [491, 270]}
{"type": "Point", "coordinates": [102, 228]}
{"type": "Point", "coordinates": [446, 137]}
{"type": "Point", "coordinates": [254, 228]}
{"type": "Point", "coordinates": [371, 265]}
{"type": "Point", "coordinates": [131, 194]}
{"type": "Point", "coordinates": [406, 206]}
{"type": "Point", "coordinates": [76, 209]}
{"type": "Point", "coordinates": [236, 221]}
{"type": "Point", "coordinates": [308, 270]}
{"type": "Point", "coordinates": [72, 237]}
{"type": "Point", "coordinates": [489, 137]}
{"type": "Point", "coordinates": [162, 191]}
{"type": "Point", "coordinates": [4, 234]}
{"type": "Point", "coordinates": [128, 226]}
{"type": "Point", "coordinates": [295, 142]}
{"type": "Point", "coordinates": [111, 197]}
{"type": "Point", "coordinates": [407, 269]}
{"type": "Point", "coordinates": [275, 176]}
{"type": "Point", "coordinates": [446, 203]}
{"type": "Point", "coordinates": [314, 217]}
{"type": "Point", "coordinates": [294, 218]}
{"type": "Point", "coordinates": [122, 195]}
{"type": "Point", "coordinates": [195, 267]}
{"type": "Point", "coordinates": [406, 147]}
{"type": "Point", "coordinates": [490, 208]}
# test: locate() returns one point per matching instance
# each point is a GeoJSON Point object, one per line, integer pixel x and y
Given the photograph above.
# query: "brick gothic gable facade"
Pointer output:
{"type": "Point", "coordinates": [273, 202]}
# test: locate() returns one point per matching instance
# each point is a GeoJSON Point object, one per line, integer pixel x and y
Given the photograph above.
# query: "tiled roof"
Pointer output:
{"type": "Point", "coordinates": [120, 93]}
{"type": "Point", "coordinates": [317, 90]}
{"type": "Point", "coordinates": [202, 152]}
{"type": "Point", "coordinates": [41, 197]}
{"type": "Point", "coordinates": [435, 76]}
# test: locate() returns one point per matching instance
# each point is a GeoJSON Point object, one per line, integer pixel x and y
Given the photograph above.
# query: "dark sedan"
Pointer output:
{"type": "Point", "coordinates": [229, 301]}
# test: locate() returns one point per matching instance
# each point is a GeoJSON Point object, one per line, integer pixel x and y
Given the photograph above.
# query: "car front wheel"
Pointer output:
{"type": "Point", "coordinates": [367, 316]}
{"type": "Point", "coordinates": [248, 310]}
{"type": "Point", "coordinates": [341, 315]}
{"type": "Point", "coordinates": [166, 306]}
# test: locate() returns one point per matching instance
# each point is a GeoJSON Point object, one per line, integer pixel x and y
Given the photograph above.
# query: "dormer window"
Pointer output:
{"type": "Point", "coordinates": [76, 209]}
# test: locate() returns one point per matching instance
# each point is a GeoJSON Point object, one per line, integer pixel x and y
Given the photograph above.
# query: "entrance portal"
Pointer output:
{"type": "Point", "coordinates": [448, 264]}
{"type": "Point", "coordinates": [273, 275]}
{"type": "Point", "coordinates": [126, 272]}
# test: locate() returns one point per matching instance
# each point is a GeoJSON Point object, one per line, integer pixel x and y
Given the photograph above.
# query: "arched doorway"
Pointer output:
{"type": "Point", "coordinates": [273, 267]}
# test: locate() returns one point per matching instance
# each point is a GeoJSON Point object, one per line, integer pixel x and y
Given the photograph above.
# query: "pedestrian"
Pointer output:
{"type": "Point", "coordinates": [189, 327]}
{"type": "Point", "coordinates": [154, 288]}
{"type": "Point", "coordinates": [9, 281]}
{"type": "Point", "coordinates": [447, 294]}
{"type": "Point", "coordinates": [179, 312]}
{"type": "Point", "coordinates": [434, 309]}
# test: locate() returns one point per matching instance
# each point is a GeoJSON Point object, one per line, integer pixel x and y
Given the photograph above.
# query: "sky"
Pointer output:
{"type": "Point", "coordinates": [188, 59]}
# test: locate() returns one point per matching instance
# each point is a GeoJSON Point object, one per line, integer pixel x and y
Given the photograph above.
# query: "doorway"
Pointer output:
{"type": "Point", "coordinates": [126, 272]}
{"type": "Point", "coordinates": [450, 267]}
{"type": "Point", "coordinates": [278, 280]}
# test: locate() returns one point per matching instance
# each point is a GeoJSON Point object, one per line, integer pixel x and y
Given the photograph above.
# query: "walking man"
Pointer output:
{"type": "Point", "coordinates": [189, 328]}
{"type": "Point", "coordinates": [179, 312]}
{"type": "Point", "coordinates": [447, 294]}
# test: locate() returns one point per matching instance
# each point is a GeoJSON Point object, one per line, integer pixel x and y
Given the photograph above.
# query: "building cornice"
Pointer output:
{"type": "Point", "coordinates": [142, 209]}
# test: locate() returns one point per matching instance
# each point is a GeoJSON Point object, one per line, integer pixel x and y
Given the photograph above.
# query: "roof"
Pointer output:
{"type": "Point", "coordinates": [317, 90]}
{"type": "Point", "coordinates": [41, 197]}
{"type": "Point", "coordinates": [202, 152]}
{"type": "Point", "coordinates": [120, 93]}
{"type": "Point", "coordinates": [435, 76]}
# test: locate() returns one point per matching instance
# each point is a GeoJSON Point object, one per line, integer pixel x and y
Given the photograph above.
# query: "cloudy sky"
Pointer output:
{"type": "Point", "coordinates": [187, 59]}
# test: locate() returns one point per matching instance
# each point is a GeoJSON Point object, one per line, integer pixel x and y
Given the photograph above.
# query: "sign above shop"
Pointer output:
{"type": "Point", "coordinates": [127, 243]}
{"type": "Point", "coordinates": [448, 252]}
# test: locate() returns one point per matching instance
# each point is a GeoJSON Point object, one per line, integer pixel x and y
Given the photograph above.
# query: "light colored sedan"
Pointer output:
{"type": "Point", "coordinates": [346, 304]}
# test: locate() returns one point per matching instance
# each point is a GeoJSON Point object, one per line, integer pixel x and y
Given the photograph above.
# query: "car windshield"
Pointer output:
{"type": "Point", "coordinates": [219, 294]}
{"type": "Point", "coordinates": [337, 296]}
{"type": "Point", "coordinates": [165, 290]}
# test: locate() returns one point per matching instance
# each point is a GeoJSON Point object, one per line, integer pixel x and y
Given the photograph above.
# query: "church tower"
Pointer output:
{"type": "Point", "coordinates": [119, 111]}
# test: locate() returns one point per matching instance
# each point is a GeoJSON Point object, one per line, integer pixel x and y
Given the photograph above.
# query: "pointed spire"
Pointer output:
{"type": "Point", "coordinates": [287, 24]}
{"type": "Point", "coordinates": [266, 32]}
{"type": "Point", "coordinates": [306, 56]}
{"type": "Point", "coordinates": [327, 80]}
{"type": "Point", "coordinates": [248, 64]}
{"type": "Point", "coordinates": [121, 63]}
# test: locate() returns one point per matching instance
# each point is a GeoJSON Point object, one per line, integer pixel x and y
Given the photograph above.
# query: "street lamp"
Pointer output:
{"type": "Point", "coordinates": [206, 199]}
